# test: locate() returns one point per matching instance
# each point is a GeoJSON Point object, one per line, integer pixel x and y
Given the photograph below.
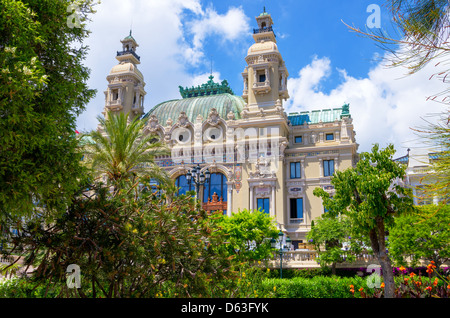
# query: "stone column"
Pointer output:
{"type": "Point", "coordinates": [251, 198]}
{"type": "Point", "coordinates": [272, 201]}
{"type": "Point", "coordinates": [229, 197]}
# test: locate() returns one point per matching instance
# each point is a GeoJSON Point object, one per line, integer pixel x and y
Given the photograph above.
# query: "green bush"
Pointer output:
{"type": "Point", "coordinates": [23, 288]}
{"type": "Point", "coordinates": [316, 287]}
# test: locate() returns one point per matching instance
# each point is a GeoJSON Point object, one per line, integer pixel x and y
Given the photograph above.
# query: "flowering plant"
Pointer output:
{"type": "Point", "coordinates": [412, 285]}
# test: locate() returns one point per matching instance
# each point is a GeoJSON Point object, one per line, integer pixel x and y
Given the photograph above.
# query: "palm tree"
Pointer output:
{"type": "Point", "coordinates": [123, 153]}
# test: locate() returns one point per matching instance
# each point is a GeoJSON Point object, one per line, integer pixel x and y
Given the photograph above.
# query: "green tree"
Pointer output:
{"type": "Point", "coordinates": [370, 195]}
{"type": "Point", "coordinates": [42, 90]}
{"type": "Point", "coordinates": [423, 234]}
{"type": "Point", "coordinates": [129, 247]}
{"type": "Point", "coordinates": [122, 152]}
{"type": "Point", "coordinates": [248, 234]}
{"type": "Point", "coordinates": [332, 239]}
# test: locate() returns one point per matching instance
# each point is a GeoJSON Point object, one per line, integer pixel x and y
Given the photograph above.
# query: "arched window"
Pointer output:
{"type": "Point", "coordinates": [218, 185]}
{"type": "Point", "coordinates": [183, 185]}
{"type": "Point", "coordinates": [215, 193]}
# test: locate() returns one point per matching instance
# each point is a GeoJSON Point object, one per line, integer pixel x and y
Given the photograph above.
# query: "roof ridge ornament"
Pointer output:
{"type": "Point", "coordinates": [206, 89]}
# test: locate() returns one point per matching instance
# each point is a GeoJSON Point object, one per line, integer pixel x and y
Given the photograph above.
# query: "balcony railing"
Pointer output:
{"type": "Point", "coordinates": [304, 258]}
{"type": "Point", "coordinates": [263, 30]}
{"type": "Point", "coordinates": [129, 52]}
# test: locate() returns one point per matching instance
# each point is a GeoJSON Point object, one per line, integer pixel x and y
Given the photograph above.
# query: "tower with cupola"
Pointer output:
{"type": "Point", "coordinates": [265, 76]}
{"type": "Point", "coordinates": [125, 92]}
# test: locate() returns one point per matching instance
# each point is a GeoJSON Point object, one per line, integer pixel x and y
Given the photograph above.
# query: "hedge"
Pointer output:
{"type": "Point", "coordinates": [316, 287]}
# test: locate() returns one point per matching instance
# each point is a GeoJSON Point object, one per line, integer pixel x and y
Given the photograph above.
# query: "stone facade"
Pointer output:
{"type": "Point", "coordinates": [258, 155]}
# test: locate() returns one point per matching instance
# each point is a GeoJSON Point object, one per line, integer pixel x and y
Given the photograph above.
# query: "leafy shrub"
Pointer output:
{"type": "Point", "coordinates": [316, 287]}
{"type": "Point", "coordinates": [23, 288]}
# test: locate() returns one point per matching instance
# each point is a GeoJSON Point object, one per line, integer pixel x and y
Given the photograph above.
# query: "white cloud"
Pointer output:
{"type": "Point", "coordinates": [229, 27]}
{"type": "Point", "coordinates": [385, 105]}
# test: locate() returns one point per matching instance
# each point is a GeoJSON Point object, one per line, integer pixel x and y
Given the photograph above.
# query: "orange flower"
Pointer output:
{"type": "Point", "coordinates": [412, 275]}
{"type": "Point", "coordinates": [429, 270]}
{"type": "Point", "coordinates": [352, 290]}
{"type": "Point", "coordinates": [435, 281]}
{"type": "Point", "coordinates": [401, 268]}
{"type": "Point", "coordinates": [428, 288]}
{"type": "Point", "coordinates": [431, 265]}
{"type": "Point", "coordinates": [382, 285]}
{"type": "Point", "coordinates": [418, 283]}
{"type": "Point", "coordinates": [406, 279]}
{"type": "Point", "coordinates": [361, 289]}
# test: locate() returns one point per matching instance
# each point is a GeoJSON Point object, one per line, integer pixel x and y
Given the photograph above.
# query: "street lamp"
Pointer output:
{"type": "Point", "coordinates": [281, 248]}
{"type": "Point", "coordinates": [197, 177]}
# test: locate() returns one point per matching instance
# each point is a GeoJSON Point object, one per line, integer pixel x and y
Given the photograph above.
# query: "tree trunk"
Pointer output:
{"type": "Point", "coordinates": [333, 269]}
{"type": "Point", "coordinates": [378, 242]}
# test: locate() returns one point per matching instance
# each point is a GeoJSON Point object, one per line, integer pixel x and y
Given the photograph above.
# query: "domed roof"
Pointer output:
{"type": "Point", "coordinates": [199, 105]}
{"type": "Point", "coordinates": [126, 67]}
{"type": "Point", "coordinates": [263, 47]}
{"type": "Point", "coordinates": [200, 100]}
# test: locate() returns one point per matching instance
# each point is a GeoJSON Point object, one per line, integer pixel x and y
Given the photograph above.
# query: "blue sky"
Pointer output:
{"type": "Point", "coordinates": [328, 64]}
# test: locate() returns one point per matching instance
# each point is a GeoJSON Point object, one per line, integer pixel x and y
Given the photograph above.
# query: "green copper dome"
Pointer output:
{"type": "Point", "coordinates": [199, 101]}
{"type": "Point", "coordinates": [194, 106]}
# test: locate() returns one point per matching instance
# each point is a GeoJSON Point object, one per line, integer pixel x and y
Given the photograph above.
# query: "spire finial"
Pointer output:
{"type": "Point", "coordinates": [264, 9]}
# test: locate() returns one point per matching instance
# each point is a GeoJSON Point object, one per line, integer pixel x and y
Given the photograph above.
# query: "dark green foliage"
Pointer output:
{"type": "Point", "coordinates": [42, 90]}
{"type": "Point", "coordinates": [317, 287]}
{"type": "Point", "coordinates": [129, 246]}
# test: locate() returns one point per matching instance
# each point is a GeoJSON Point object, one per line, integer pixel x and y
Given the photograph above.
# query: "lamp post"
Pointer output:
{"type": "Point", "coordinates": [198, 178]}
{"type": "Point", "coordinates": [281, 248]}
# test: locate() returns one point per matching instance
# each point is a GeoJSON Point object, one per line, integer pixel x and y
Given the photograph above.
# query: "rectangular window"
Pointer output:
{"type": "Point", "coordinates": [295, 170]}
{"type": "Point", "coordinates": [262, 78]}
{"type": "Point", "coordinates": [263, 205]}
{"type": "Point", "coordinates": [298, 139]}
{"type": "Point", "coordinates": [329, 137]}
{"type": "Point", "coordinates": [328, 168]}
{"type": "Point", "coordinates": [296, 208]}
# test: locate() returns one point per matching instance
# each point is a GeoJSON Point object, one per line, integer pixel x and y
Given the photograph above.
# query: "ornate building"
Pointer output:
{"type": "Point", "coordinates": [257, 155]}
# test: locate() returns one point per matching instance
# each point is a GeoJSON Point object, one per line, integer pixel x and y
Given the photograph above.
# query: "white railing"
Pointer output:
{"type": "Point", "coordinates": [307, 258]}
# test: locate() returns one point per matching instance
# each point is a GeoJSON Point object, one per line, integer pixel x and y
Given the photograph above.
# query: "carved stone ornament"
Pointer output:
{"type": "Point", "coordinates": [231, 116]}
{"type": "Point", "coordinates": [169, 122]}
{"type": "Point", "coordinates": [262, 169]}
{"type": "Point", "coordinates": [153, 124]}
{"type": "Point", "coordinates": [283, 147]}
{"type": "Point", "coordinates": [183, 120]}
{"type": "Point", "coordinates": [213, 117]}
